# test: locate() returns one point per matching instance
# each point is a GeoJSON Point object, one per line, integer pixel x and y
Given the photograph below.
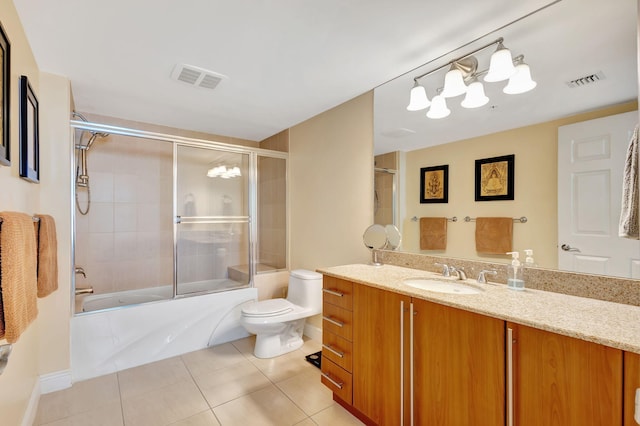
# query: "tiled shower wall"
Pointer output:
{"type": "Point", "coordinates": [126, 240]}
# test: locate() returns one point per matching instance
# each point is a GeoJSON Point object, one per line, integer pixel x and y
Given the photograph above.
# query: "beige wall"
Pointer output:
{"type": "Point", "coordinates": [331, 186]}
{"type": "Point", "coordinates": [43, 348]}
{"type": "Point", "coordinates": [535, 149]}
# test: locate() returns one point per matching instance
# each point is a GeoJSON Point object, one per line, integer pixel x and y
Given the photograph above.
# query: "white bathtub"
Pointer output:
{"type": "Point", "coordinates": [111, 340]}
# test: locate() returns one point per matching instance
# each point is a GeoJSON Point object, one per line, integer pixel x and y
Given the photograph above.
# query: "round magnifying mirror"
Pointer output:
{"type": "Point", "coordinates": [394, 238]}
{"type": "Point", "coordinates": [375, 237]}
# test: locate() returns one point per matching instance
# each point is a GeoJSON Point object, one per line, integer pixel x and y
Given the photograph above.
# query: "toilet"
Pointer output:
{"type": "Point", "coordinates": [278, 323]}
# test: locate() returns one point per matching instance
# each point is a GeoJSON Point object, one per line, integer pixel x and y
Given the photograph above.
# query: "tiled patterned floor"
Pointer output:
{"type": "Point", "coordinates": [224, 385]}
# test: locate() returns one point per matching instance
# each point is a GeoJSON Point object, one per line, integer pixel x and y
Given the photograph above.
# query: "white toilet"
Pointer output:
{"type": "Point", "coordinates": [278, 323]}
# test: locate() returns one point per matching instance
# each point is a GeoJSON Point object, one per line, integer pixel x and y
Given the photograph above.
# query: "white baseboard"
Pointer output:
{"type": "Point", "coordinates": [32, 407]}
{"type": "Point", "coordinates": [313, 332]}
{"type": "Point", "coordinates": [55, 381]}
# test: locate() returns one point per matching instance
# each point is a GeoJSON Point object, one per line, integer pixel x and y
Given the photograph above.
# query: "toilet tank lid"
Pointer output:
{"type": "Point", "coordinates": [305, 274]}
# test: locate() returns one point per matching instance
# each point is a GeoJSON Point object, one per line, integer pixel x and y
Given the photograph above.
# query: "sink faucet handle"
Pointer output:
{"type": "Point", "coordinates": [445, 269]}
{"type": "Point", "coordinates": [482, 278]}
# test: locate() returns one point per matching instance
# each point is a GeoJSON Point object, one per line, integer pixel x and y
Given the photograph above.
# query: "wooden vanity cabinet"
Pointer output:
{"type": "Point", "coordinates": [563, 381]}
{"type": "Point", "coordinates": [631, 383]}
{"type": "Point", "coordinates": [380, 357]}
{"type": "Point", "coordinates": [458, 367]}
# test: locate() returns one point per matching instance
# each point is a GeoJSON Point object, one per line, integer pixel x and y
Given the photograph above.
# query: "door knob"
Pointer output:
{"type": "Point", "coordinates": [567, 247]}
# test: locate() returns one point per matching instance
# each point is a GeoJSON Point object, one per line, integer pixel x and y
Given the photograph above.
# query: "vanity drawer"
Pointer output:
{"type": "Point", "coordinates": [337, 379]}
{"type": "Point", "coordinates": [338, 350]}
{"type": "Point", "coordinates": [337, 321]}
{"type": "Point", "coordinates": [338, 292]}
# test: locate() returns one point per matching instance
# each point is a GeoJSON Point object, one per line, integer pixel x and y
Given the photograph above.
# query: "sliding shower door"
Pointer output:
{"type": "Point", "coordinates": [212, 244]}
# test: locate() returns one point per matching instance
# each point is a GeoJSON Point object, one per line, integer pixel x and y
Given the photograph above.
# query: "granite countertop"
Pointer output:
{"type": "Point", "coordinates": [612, 324]}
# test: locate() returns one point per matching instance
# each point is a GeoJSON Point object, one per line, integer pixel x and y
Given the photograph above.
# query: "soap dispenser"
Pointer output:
{"type": "Point", "coordinates": [515, 280]}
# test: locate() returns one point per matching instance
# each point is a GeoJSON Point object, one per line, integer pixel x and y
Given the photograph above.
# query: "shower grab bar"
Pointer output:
{"type": "Point", "coordinates": [213, 219]}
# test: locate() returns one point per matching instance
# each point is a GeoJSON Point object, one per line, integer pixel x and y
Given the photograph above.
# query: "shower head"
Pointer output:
{"type": "Point", "coordinates": [93, 137]}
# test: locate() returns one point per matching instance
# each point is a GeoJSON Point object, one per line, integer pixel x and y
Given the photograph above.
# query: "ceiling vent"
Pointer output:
{"type": "Point", "coordinates": [400, 132]}
{"type": "Point", "coordinates": [588, 79]}
{"type": "Point", "coordinates": [196, 76]}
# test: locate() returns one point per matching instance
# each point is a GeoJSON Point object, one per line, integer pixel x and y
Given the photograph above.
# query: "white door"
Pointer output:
{"type": "Point", "coordinates": [591, 157]}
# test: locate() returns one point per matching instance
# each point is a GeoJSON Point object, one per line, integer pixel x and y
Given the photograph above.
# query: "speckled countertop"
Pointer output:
{"type": "Point", "coordinates": [607, 323]}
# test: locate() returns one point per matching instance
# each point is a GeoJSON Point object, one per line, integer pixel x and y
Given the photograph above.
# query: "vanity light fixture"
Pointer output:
{"type": "Point", "coordinates": [223, 172]}
{"type": "Point", "coordinates": [463, 78]}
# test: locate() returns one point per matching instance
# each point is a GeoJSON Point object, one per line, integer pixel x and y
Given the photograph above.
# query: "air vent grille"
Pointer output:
{"type": "Point", "coordinates": [196, 76]}
{"type": "Point", "coordinates": [587, 79]}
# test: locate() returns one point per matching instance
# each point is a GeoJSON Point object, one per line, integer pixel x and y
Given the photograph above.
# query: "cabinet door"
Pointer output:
{"type": "Point", "coordinates": [459, 367]}
{"type": "Point", "coordinates": [559, 380]}
{"type": "Point", "coordinates": [378, 349]}
{"type": "Point", "coordinates": [631, 384]}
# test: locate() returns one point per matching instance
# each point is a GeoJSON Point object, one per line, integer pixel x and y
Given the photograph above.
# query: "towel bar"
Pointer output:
{"type": "Point", "coordinates": [35, 219]}
{"type": "Point", "coordinates": [522, 219]}
{"type": "Point", "coordinates": [450, 219]}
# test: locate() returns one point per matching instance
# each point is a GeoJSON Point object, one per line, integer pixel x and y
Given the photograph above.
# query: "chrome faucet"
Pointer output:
{"type": "Point", "coordinates": [80, 270]}
{"type": "Point", "coordinates": [482, 278]}
{"type": "Point", "coordinates": [459, 272]}
{"type": "Point", "coordinates": [445, 269]}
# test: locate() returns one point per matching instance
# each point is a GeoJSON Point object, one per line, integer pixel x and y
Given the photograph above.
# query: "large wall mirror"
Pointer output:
{"type": "Point", "coordinates": [583, 56]}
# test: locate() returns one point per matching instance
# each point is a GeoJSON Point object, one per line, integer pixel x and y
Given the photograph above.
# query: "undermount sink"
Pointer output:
{"type": "Point", "coordinates": [439, 286]}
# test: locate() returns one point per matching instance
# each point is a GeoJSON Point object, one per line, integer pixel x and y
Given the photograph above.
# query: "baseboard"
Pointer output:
{"type": "Point", "coordinates": [313, 332]}
{"type": "Point", "coordinates": [55, 381]}
{"type": "Point", "coordinates": [32, 407]}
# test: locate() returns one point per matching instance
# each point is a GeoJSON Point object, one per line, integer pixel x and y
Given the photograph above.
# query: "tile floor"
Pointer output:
{"type": "Point", "coordinates": [223, 385]}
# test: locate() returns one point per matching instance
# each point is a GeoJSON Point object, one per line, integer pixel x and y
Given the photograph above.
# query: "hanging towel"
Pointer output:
{"type": "Point", "coordinates": [18, 282]}
{"type": "Point", "coordinates": [433, 233]}
{"type": "Point", "coordinates": [494, 235]}
{"type": "Point", "coordinates": [629, 226]}
{"type": "Point", "coordinates": [47, 255]}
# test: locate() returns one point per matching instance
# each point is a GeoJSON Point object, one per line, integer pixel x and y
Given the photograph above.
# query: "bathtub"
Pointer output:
{"type": "Point", "coordinates": [109, 340]}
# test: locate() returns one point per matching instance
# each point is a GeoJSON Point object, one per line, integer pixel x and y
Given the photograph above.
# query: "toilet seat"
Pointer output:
{"type": "Point", "coordinates": [268, 308]}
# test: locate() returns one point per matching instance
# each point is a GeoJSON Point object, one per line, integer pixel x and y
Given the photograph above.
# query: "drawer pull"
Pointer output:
{"type": "Point", "coordinates": [333, 382]}
{"type": "Point", "coordinates": [330, 349]}
{"type": "Point", "coordinates": [333, 292]}
{"type": "Point", "coordinates": [332, 321]}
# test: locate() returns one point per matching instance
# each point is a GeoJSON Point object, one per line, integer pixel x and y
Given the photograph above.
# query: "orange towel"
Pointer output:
{"type": "Point", "coordinates": [17, 274]}
{"type": "Point", "coordinates": [433, 233]}
{"type": "Point", "coordinates": [47, 255]}
{"type": "Point", "coordinates": [494, 235]}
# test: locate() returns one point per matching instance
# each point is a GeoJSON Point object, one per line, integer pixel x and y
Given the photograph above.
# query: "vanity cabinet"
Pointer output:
{"type": "Point", "coordinates": [631, 385]}
{"type": "Point", "coordinates": [380, 334]}
{"type": "Point", "coordinates": [458, 367]}
{"type": "Point", "coordinates": [337, 336]}
{"type": "Point", "coordinates": [563, 381]}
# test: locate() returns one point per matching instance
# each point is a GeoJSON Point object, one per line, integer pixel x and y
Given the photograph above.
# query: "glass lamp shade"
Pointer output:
{"type": "Point", "coordinates": [453, 83]}
{"type": "Point", "coordinates": [501, 65]}
{"type": "Point", "coordinates": [521, 81]}
{"type": "Point", "coordinates": [475, 97]}
{"type": "Point", "coordinates": [418, 99]}
{"type": "Point", "coordinates": [438, 108]}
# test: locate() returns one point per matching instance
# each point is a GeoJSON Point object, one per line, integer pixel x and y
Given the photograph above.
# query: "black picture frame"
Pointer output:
{"type": "Point", "coordinates": [5, 91]}
{"type": "Point", "coordinates": [495, 178]}
{"type": "Point", "coordinates": [434, 184]}
{"type": "Point", "coordinates": [29, 133]}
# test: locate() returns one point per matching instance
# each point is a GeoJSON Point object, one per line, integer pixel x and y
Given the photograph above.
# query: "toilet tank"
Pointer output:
{"type": "Point", "coordinates": [305, 289]}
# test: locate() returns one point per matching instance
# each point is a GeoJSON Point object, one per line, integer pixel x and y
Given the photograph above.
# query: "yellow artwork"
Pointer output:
{"type": "Point", "coordinates": [434, 185]}
{"type": "Point", "coordinates": [494, 179]}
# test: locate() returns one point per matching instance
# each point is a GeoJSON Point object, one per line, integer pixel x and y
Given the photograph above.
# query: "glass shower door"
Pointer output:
{"type": "Point", "coordinates": [212, 220]}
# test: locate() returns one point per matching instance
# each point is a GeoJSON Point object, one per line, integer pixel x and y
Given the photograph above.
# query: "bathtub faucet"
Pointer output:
{"type": "Point", "coordinates": [80, 270]}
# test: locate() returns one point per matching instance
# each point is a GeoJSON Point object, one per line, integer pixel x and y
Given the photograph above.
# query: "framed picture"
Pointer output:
{"type": "Point", "coordinates": [495, 178]}
{"type": "Point", "coordinates": [29, 138]}
{"type": "Point", "coordinates": [5, 77]}
{"type": "Point", "coordinates": [434, 184]}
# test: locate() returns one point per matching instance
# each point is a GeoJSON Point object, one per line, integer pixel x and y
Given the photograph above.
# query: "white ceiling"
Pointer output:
{"type": "Point", "coordinates": [289, 60]}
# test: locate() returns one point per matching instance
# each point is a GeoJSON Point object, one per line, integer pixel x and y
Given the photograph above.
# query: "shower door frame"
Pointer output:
{"type": "Point", "coordinates": [190, 142]}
